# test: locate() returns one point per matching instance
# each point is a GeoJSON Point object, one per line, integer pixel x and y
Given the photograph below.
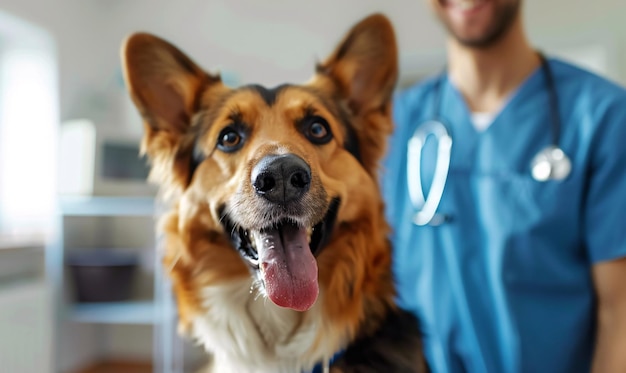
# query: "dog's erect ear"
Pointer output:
{"type": "Point", "coordinates": [362, 72]}
{"type": "Point", "coordinates": [365, 65]}
{"type": "Point", "coordinates": [163, 82]}
{"type": "Point", "coordinates": [166, 86]}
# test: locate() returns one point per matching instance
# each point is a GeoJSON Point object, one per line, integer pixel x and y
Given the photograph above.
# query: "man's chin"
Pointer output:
{"type": "Point", "coordinates": [482, 26]}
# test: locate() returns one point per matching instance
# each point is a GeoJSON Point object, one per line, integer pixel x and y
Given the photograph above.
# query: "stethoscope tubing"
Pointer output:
{"type": "Point", "coordinates": [426, 213]}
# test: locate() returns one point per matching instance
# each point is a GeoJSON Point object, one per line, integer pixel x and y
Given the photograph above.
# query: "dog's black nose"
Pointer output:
{"type": "Point", "coordinates": [281, 178]}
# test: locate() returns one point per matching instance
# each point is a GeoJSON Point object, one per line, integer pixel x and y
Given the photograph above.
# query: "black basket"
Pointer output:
{"type": "Point", "coordinates": [102, 275]}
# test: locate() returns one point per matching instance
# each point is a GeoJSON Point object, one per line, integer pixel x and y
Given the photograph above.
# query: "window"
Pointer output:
{"type": "Point", "coordinates": [29, 122]}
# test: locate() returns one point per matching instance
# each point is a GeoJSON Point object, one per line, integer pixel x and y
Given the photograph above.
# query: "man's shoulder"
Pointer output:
{"type": "Point", "coordinates": [582, 82]}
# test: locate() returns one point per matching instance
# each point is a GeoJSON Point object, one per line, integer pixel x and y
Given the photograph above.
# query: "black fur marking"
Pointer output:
{"type": "Point", "coordinates": [352, 143]}
{"type": "Point", "coordinates": [350, 289]}
{"type": "Point", "coordinates": [268, 95]}
{"type": "Point", "coordinates": [395, 347]}
{"type": "Point", "coordinates": [196, 157]}
{"type": "Point", "coordinates": [194, 151]}
{"type": "Point", "coordinates": [324, 230]}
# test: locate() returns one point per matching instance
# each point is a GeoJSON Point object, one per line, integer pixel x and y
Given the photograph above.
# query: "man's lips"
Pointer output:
{"type": "Point", "coordinates": [463, 5]}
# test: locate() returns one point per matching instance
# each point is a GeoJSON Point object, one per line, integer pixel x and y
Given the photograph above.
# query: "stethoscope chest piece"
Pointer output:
{"type": "Point", "coordinates": [551, 164]}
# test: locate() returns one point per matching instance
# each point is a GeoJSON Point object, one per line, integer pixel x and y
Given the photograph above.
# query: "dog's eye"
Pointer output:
{"type": "Point", "coordinates": [317, 130]}
{"type": "Point", "coordinates": [229, 140]}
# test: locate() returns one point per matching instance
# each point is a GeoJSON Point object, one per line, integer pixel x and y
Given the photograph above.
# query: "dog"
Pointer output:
{"type": "Point", "coordinates": [275, 239]}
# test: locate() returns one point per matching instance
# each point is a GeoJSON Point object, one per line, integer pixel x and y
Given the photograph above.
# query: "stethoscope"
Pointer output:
{"type": "Point", "coordinates": [551, 163]}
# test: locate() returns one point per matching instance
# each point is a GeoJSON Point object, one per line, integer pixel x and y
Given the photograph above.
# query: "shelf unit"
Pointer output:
{"type": "Point", "coordinates": [158, 312]}
{"type": "Point", "coordinates": [132, 312]}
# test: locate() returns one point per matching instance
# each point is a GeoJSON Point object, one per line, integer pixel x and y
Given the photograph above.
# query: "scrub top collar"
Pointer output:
{"type": "Point", "coordinates": [456, 115]}
{"type": "Point", "coordinates": [452, 92]}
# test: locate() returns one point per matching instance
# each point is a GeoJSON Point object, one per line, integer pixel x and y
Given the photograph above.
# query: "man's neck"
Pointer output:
{"type": "Point", "coordinates": [487, 76]}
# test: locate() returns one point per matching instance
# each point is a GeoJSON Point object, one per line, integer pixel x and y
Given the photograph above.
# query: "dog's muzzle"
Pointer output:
{"type": "Point", "coordinates": [279, 225]}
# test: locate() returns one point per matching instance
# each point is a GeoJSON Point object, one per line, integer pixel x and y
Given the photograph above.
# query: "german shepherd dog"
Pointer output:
{"type": "Point", "coordinates": [275, 240]}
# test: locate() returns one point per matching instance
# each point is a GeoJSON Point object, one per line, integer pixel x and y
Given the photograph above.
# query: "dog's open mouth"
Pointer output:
{"type": "Point", "coordinates": [284, 256]}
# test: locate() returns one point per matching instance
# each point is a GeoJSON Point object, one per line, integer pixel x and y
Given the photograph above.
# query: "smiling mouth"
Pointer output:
{"type": "Point", "coordinates": [283, 256]}
{"type": "Point", "coordinates": [463, 5]}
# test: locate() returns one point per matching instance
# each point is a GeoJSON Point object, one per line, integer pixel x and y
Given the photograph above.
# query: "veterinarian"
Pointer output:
{"type": "Point", "coordinates": [506, 189]}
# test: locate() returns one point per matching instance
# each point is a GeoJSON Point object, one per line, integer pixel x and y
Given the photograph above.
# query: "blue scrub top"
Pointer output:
{"type": "Point", "coordinates": [506, 286]}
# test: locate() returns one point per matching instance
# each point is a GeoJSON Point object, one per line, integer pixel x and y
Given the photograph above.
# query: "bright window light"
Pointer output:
{"type": "Point", "coordinates": [29, 120]}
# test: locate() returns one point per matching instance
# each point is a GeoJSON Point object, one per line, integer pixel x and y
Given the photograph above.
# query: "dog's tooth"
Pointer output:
{"type": "Point", "coordinates": [255, 240]}
{"type": "Point", "coordinates": [253, 243]}
{"type": "Point", "coordinates": [252, 236]}
{"type": "Point", "coordinates": [254, 262]}
{"type": "Point", "coordinates": [309, 233]}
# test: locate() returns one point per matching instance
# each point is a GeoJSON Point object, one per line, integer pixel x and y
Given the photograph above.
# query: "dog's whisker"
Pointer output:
{"type": "Point", "coordinates": [174, 262]}
{"type": "Point", "coordinates": [221, 218]}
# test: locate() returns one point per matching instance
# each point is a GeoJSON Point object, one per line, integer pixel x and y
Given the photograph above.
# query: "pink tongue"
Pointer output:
{"type": "Point", "coordinates": [288, 266]}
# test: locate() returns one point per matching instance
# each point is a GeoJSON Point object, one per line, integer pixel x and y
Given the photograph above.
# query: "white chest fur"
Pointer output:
{"type": "Point", "coordinates": [247, 333]}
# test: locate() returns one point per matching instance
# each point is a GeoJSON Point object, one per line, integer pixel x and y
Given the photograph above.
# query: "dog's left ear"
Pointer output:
{"type": "Point", "coordinates": [166, 87]}
{"type": "Point", "coordinates": [363, 71]}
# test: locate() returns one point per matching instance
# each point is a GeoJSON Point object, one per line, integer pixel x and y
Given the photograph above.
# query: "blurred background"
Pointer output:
{"type": "Point", "coordinates": [78, 286]}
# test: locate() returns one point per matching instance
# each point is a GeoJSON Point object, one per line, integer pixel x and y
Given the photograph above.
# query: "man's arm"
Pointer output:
{"type": "Point", "coordinates": [610, 282]}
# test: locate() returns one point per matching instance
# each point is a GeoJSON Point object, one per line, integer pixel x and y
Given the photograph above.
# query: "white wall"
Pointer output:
{"type": "Point", "coordinates": [570, 26]}
{"type": "Point", "coordinates": [273, 41]}
{"type": "Point", "coordinates": [78, 29]}
{"type": "Point", "coordinates": [267, 42]}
